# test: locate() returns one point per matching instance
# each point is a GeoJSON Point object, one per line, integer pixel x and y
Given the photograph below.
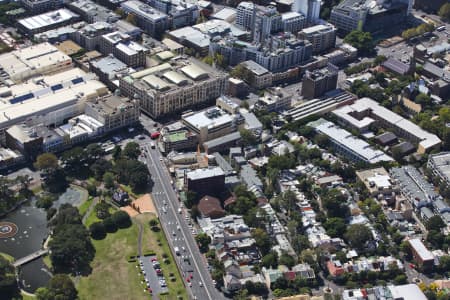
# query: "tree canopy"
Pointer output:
{"type": "Point", "coordinates": [8, 283]}
{"type": "Point", "coordinates": [357, 235]}
{"type": "Point", "coordinates": [361, 40]}
{"type": "Point", "coordinates": [59, 287]}
{"type": "Point", "coordinates": [444, 12]}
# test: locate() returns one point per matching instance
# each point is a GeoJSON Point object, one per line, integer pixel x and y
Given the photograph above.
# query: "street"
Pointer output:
{"type": "Point", "coordinates": [189, 261]}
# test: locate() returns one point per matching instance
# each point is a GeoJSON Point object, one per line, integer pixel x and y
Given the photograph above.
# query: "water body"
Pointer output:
{"type": "Point", "coordinates": [32, 232]}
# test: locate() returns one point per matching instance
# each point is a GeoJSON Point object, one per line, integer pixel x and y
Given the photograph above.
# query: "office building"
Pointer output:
{"type": "Point", "coordinates": [368, 15]}
{"type": "Point", "coordinates": [293, 22]}
{"type": "Point", "coordinates": [267, 21]}
{"type": "Point", "coordinates": [365, 111]}
{"type": "Point", "coordinates": [180, 13]}
{"type": "Point", "coordinates": [174, 86]}
{"type": "Point", "coordinates": [309, 8]}
{"type": "Point", "coordinates": [322, 37]}
{"type": "Point", "coordinates": [420, 253]}
{"type": "Point", "coordinates": [439, 164]}
{"type": "Point", "coordinates": [90, 35]}
{"type": "Point", "coordinates": [41, 6]}
{"type": "Point", "coordinates": [211, 123]}
{"type": "Point", "coordinates": [110, 40]}
{"type": "Point", "coordinates": [113, 111]}
{"type": "Point", "coordinates": [274, 100]}
{"type": "Point", "coordinates": [128, 28]}
{"type": "Point", "coordinates": [260, 76]}
{"type": "Point", "coordinates": [348, 145]}
{"type": "Point", "coordinates": [245, 15]}
{"type": "Point", "coordinates": [131, 53]}
{"type": "Point", "coordinates": [317, 82]}
{"type": "Point", "coordinates": [50, 100]}
{"type": "Point", "coordinates": [92, 12]}
{"type": "Point", "coordinates": [47, 21]}
{"type": "Point", "coordinates": [179, 140]}
{"type": "Point", "coordinates": [40, 59]}
{"type": "Point", "coordinates": [208, 181]}
{"type": "Point", "coordinates": [152, 21]}
{"type": "Point", "coordinates": [109, 69]}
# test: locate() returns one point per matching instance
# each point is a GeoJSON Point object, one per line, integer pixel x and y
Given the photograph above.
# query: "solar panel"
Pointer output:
{"type": "Point", "coordinates": [77, 80]}
{"type": "Point", "coordinates": [56, 87]}
{"type": "Point", "coordinates": [21, 98]}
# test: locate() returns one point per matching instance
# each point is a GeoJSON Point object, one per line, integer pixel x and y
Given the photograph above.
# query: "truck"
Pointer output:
{"type": "Point", "coordinates": [177, 250]}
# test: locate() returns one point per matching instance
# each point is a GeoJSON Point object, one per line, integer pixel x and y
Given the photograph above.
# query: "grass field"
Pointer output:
{"type": "Point", "coordinates": [113, 277]}
{"type": "Point", "coordinates": [85, 206]}
{"type": "Point", "coordinates": [27, 297]}
{"type": "Point", "coordinates": [92, 218]}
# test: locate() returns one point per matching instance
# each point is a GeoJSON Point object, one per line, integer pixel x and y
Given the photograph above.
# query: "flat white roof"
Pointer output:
{"type": "Point", "coordinates": [201, 119]}
{"type": "Point", "coordinates": [47, 19]}
{"type": "Point", "coordinates": [205, 173]}
{"type": "Point", "coordinates": [28, 99]}
{"type": "Point", "coordinates": [427, 140]}
{"type": "Point", "coordinates": [421, 250]}
{"type": "Point", "coordinates": [407, 292]}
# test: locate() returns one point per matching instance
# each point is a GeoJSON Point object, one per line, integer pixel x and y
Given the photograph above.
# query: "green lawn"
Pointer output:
{"type": "Point", "coordinates": [93, 217]}
{"type": "Point", "coordinates": [85, 206]}
{"type": "Point", "coordinates": [27, 297]}
{"type": "Point", "coordinates": [150, 242]}
{"type": "Point", "coordinates": [7, 256]}
{"type": "Point", "coordinates": [112, 276]}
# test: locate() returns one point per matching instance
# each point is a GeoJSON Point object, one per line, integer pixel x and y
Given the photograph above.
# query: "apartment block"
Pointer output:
{"type": "Point", "coordinates": [322, 37]}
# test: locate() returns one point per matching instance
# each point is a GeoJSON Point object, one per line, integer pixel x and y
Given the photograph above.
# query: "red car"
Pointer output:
{"type": "Point", "coordinates": [154, 259]}
{"type": "Point", "coordinates": [155, 135]}
{"type": "Point", "coordinates": [188, 279]}
{"type": "Point", "coordinates": [412, 266]}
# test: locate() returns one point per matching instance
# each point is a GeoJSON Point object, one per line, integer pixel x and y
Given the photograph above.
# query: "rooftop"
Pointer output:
{"type": "Point", "coordinates": [255, 68]}
{"type": "Point", "coordinates": [210, 118]}
{"type": "Point", "coordinates": [205, 173]}
{"type": "Point", "coordinates": [441, 161]}
{"type": "Point", "coordinates": [48, 18]}
{"type": "Point", "coordinates": [143, 10]}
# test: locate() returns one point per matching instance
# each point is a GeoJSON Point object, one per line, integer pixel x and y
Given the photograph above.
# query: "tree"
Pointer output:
{"type": "Point", "coordinates": [110, 225]}
{"type": "Point", "coordinates": [287, 260]}
{"type": "Point", "coordinates": [117, 152]}
{"type": "Point", "coordinates": [73, 160]}
{"type": "Point", "coordinates": [335, 203]}
{"type": "Point", "coordinates": [423, 99]}
{"type": "Point", "coordinates": [132, 150]}
{"type": "Point", "coordinates": [270, 260]}
{"type": "Point", "coordinates": [8, 283]}
{"type": "Point", "coordinates": [122, 219]}
{"type": "Point", "coordinates": [71, 249]}
{"type": "Point", "coordinates": [203, 241]}
{"type": "Point", "coordinates": [46, 162]}
{"type": "Point", "coordinates": [435, 223]}
{"type": "Point", "coordinates": [360, 40]}
{"type": "Point", "coordinates": [132, 172]}
{"type": "Point", "coordinates": [97, 230]}
{"type": "Point", "coordinates": [262, 240]}
{"type": "Point", "coordinates": [100, 167]}
{"type": "Point", "coordinates": [59, 287]}
{"type": "Point", "coordinates": [335, 227]}
{"type": "Point", "coordinates": [108, 180]}
{"type": "Point", "coordinates": [102, 210]}
{"type": "Point", "coordinates": [357, 235]}
{"type": "Point", "coordinates": [248, 138]}
{"type": "Point", "coordinates": [444, 12]}
{"type": "Point", "coordinates": [94, 152]}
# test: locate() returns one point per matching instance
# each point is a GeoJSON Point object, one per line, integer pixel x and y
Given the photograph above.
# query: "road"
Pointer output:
{"type": "Point", "coordinates": [190, 261]}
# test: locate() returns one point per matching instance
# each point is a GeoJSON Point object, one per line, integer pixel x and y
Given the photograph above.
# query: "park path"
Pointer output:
{"type": "Point", "coordinates": [89, 210]}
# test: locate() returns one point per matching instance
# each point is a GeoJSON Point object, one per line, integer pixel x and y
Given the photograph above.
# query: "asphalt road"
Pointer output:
{"type": "Point", "coordinates": [178, 233]}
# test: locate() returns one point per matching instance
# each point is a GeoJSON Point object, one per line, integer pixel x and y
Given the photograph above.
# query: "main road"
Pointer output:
{"type": "Point", "coordinates": [190, 262]}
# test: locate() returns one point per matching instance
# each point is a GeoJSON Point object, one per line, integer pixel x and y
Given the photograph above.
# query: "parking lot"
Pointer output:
{"type": "Point", "coordinates": [154, 281]}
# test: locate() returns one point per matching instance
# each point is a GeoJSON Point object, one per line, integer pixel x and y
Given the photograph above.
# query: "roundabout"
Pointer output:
{"type": "Point", "coordinates": [7, 230]}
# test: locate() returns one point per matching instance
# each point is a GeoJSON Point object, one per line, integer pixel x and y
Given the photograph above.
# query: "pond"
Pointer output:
{"type": "Point", "coordinates": [31, 233]}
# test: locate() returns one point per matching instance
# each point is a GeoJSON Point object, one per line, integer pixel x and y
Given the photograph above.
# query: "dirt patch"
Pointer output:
{"type": "Point", "coordinates": [143, 204]}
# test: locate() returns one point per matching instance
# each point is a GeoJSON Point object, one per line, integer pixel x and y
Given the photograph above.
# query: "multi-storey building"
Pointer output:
{"type": "Point", "coordinates": [131, 53]}
{"type": "Point", "coordinates": [113, 111]}
{"type": "Point", "coordinates": [181, 13]}
{"type": "Point", "coordinates": [316, 83]}
{"type": "Point", "coordinates": [110, 40]}
{"type": "Point", "coordinates": [47, 21]}
{"type": "Point", "coordinates": [293, 22]}
{"type": "Point", "coordinates": [92, 12]}
{"type": "Point", "coordinates": [174, 86]}
{"type": "Point", "coordinates": [267, 20]}
{"type": "Point", "coordinates": [90, 35]}
{"type": "Point", "coordinates": [40, 6]}
{"type": "Point", "coordinates": [368, 15]}
{"type": "Point", "coordinates": [309, 8]}
{"type": "Point", "coordinates": [152, 21]}
{"type": "Point", "coordinates": [322, 37]}
{"type": "Point", "coordinates": [439, 164]}
{"type": "Point", "coordinates": [245, 15]}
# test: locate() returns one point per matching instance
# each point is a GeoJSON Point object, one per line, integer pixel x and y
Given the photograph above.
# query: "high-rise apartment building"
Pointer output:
{"type": "Point", "coordinates": [322, 37]}
{"type": "Point", "coordinates": [316, 83]}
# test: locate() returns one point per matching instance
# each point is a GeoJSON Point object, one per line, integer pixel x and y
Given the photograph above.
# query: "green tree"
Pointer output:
{"type": "Point", "coordinates": [117, 152]}
{"type": "Point", "coordinates": [262, 240]}
{"type": "Point", "coordinates": [357, 235]}
{"type": "Point", "coordinates": [102, 210]}
{"type": "Point", "coordinates": [100, 167]}
{"type": "Point", "coordinates": [46, 162]}
{"type": "Point", "coordinates": [59, 287]}
{"type": "Point", "coordinates": [444, 12]}
{"type": "Point", "coordinates": [335, 203]}
{"type": "Point", "coordinates": [122, 219]}
{"type": "Point", "coordinates": [108, 180]}
{"type": "Point", "coordinates": [248, 138]}
{"type": "Point", "coordinates": [110, 225]}
{"type": "Point", "coordinates": [360, 40]}
{"type": "Point", "coordinates": [97, 230]}
{"type": "Point", "coordinates": [287, 260]}
{"type": "Point", "coordinates": [8, 283]}
{"type": "Point", "coordinates": [270, 260]}
{"type": "Point", "coordinates": [132, 150]}
{"type": "Point", "coordinates": [435, 223]}
{"type": "Point", "coordinates": [203, 241]}
{"type": "Point", "coordinates": [335, 227]}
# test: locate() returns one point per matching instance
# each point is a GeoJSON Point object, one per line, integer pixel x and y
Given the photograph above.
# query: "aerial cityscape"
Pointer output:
{"type": "Point", "coordinates": [225, 150]}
